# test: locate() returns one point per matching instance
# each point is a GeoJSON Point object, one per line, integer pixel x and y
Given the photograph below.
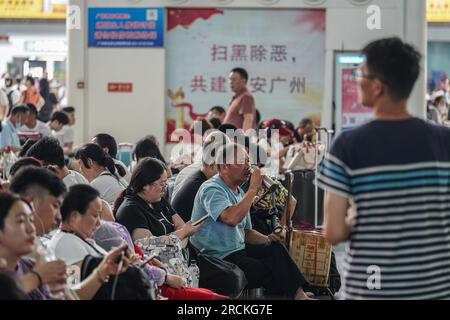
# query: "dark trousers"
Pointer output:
{"type": "Point", "coordinates": [271, 267]}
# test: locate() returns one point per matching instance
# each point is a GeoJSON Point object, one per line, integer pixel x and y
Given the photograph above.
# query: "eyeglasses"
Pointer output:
{"type": "Point", "coordinates": [359, 74]}
{"type": "Point", "coordinates": [162, 184]}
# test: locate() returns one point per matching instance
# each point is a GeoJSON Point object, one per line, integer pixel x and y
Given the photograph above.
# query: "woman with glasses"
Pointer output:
{"type": "Point", "coordinates": [151, 219]}
{"type": "Point", "coordinates": [142, 209]}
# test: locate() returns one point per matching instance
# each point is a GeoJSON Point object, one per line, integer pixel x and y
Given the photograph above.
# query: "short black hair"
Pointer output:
{"type": "Point", "coordinates": [26, 146]}
{"type": "Point", "coordinates": [205, 125]}
{"type": "Point", "coordinates": [146, 147]}
{"type": "Point", "coordinates": [147, 171]}
{"type": "Point", "coordinates": [78, 199]}
{"type": "Point", "coordinates": [68, 109]}
{"type": "Point", "coordinates": [29, 177]}
{"type": "Point", "coordinates": [23, 162]}
{"type": "Point", "coordinates": [49, 151]}
{"type": "Point", "coordinates": [218, 109]}
{"type": "Point", "coordinates": [105, 140]}
{"type": "Point", "coordinates": [227, 126]}
{"type": "Point", "coordinates": [305, 122]}
{"type": "Point", "coordinates": [30, 79]}
{"type": "Point", "coordinates": [242, 72]}
{"type": "Point", "coordinates": [60, 116]}
{"type": "Point", "coordinates": [19, 109]}
{"type": "Point", "coordinates": [289, 125]}
{"type": "Point", "coordinates": [32, 108]}
{"type": "Point", "coordinates": [215, 122]}
{"type": "Point", "coordinates": [395, 63]}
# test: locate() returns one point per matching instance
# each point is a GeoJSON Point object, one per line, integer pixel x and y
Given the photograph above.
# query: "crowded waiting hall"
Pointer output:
{"type": "Point", "coordinates": [266, 150]}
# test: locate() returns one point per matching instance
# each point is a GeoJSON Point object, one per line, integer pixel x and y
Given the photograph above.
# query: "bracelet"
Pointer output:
{"type": "Point", "coordinates": [38, 276]}
{"type": "Point", "coordinates": [99, 277]}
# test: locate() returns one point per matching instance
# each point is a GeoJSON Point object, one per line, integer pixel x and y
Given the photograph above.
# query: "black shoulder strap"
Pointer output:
{"type": "Point", "coordinates": [107, 173]}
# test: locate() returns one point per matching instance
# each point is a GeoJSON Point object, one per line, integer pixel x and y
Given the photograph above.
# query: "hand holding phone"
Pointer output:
{"type": "Point", "coordinates": [122, 254]}
{"type": "Point", "coordinates": [143, 264]}
{"type": "Point", "coordinates": [201, 220]}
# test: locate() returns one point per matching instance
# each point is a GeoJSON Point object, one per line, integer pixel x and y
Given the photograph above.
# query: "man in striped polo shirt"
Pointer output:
{"type": "Point", "coordinates": [396, 170]}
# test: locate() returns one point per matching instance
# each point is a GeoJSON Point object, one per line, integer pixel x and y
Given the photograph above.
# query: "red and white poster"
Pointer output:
{"type": "Point", "coordinates": [353, 113]}
{"type": "Point", "coordinates": [285, 61]}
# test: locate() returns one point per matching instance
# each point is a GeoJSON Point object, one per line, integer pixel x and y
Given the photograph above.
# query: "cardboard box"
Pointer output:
{"type": "Point", "coordinates": [312, 254]}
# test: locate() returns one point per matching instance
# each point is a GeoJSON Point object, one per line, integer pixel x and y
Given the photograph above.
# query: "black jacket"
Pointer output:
{"type": "Point", "coordinates": [135, 213]}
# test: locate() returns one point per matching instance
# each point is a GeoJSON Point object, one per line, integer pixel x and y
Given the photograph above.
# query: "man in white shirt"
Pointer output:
{"type": "Point", "coordinates": [49, 151]}
{"type": "Point", "coordinates": [66, 135]}
{"type": "Point", "coordinates": [215, 136]}
{"type": "Point", "coordinates": [32, 124]}
{"type": "Point", "coordinates": [58, 120]}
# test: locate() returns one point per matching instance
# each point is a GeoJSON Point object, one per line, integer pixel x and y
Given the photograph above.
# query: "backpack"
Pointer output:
{"type": "Point", "coordinates": [133, 284]}
{"type": "Point", "coordinates": [218, 275]}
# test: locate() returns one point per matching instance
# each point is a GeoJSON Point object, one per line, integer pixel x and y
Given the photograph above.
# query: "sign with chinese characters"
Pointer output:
{"type": "Point", "coordinates": [33, 9]}
{"type": "Point", "coordinates": [438, 10]}
{"type": "Point", "coordinates": [353, 113]}
{"type": "Point", "coordinates": [120, 87]}
{"type": "Point", "coordinates": [285, 61]}
{"type": "Point", "coordinates": [126, 27]}
{"type": "Point", "coordinates": [53, 46]}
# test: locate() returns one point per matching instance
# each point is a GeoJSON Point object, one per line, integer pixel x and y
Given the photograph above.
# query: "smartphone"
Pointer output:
{"type": "Point", "coordinates": [153, 256]}
{"type": "Point", "coordinates": [201, 220]}
{"type": "Point", "coordinates": [124, 253]}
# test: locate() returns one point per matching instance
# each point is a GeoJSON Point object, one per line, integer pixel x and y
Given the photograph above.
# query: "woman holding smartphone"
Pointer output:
{"type": "Point", "coordinates": [142, 209]}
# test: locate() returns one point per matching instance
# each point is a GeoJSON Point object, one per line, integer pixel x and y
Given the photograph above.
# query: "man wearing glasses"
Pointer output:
{"type": "Point", "coordinates": [395, 171]}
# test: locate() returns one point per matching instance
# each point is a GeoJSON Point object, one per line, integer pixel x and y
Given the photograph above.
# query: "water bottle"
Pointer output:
{"type": "Point", "coordinates": [9, 158]}
{"type": "Point", "coordinates": [48, 255]}
{"type": "Point", "coordinates": [194, 271]}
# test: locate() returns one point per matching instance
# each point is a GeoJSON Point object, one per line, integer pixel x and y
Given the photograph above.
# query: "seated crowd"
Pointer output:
{"type": "Point", "coordinates": [77, 223]}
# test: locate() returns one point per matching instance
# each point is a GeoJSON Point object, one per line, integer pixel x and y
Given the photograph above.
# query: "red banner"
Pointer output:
{"type": "Point", "coordinates": [120, 87]}
{"type": "Point", "coordinates": [353, 113]}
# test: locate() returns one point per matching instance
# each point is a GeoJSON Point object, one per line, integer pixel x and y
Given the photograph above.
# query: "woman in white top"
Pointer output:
{"type": "Point", "coordinates": [80, 213]}
{"type": "Point", "coordinates": [100, 170]}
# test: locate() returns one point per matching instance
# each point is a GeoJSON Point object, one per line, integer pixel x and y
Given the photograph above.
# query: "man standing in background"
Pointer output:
{"type": "Point", "coordinates": [242, 109]}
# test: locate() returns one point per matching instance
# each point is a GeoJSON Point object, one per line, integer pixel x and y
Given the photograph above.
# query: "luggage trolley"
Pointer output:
{"type": "Point", "coordinates": [289, 220]}
{"type": "Point", "coordinates": [327, 133]}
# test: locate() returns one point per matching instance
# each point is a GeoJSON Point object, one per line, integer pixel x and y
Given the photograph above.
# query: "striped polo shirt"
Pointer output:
{"type": "Point", "coordinates": [398, 174]}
